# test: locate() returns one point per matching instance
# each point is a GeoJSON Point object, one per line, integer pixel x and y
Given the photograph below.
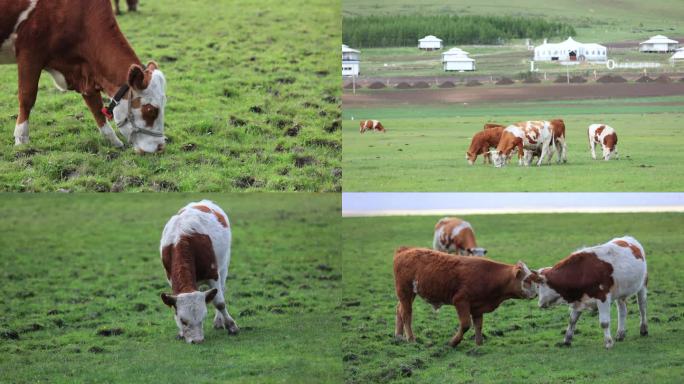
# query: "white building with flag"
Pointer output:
{"type": "Point", "coordinates": [570, 50]}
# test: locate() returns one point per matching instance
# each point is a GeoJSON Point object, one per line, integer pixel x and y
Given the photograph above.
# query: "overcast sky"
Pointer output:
{"type": "Point", "coordinates": [374, 204]}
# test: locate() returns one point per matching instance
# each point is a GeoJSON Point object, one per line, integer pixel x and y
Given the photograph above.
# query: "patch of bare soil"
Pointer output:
{"type": "Point", "coordinates": [663, 79]}
{"type": "Point", "coordinates": [447, 84]}
{"type": "Point", "coordinates": [421, 84]}
{"type": "Point", "coordinates": [531, 80]}
{"type": "Point", "coordinates": [611, 79]}
{"type": "Point", "coordinates": [403, 85]}
{"type": "Point", "coordinates": [473, 83]}
{"type": "Point", "coordinates": [644, 79]}
{"type": "Point", "coordinates": [377, 85]}
{"type": "Point", "coordinates": [505, 81]}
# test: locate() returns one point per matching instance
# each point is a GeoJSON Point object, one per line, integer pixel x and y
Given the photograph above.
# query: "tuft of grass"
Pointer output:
{"type": "Point", "coordinates": [235, 70]}
{"type": "Point", "coordinates": [520, 338]}
{"type": "Point", "coordinates": [81, 301]}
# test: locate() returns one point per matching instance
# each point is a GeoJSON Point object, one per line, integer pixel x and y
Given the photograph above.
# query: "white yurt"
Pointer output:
{"type": "Point", "coordinates": [658, 44]}
{"type": "Point", "coordinates": [678, 56]}
{"type": "Point", "coordinates": [457, 59]}
{"type": "Point", "coordinates": [351, 60]}
{"type": "Point", "coordinates": [570, 50]}
{"type": "Point", "coordinates": [430, 43]}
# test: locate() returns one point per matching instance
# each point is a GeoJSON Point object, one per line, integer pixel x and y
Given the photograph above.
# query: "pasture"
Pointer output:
{"type": "Point", "coordinates": [252, 105]}
{"type": "Point", "coordinates": [81, 278]}
{"type": "Point", "coordinates": [520, 339]}
{"type": "Point", "coordinates": [425, 144]}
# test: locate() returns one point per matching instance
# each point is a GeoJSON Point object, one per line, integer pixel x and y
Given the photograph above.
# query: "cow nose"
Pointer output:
{"type": "Point", "coordinates": [198, 341]}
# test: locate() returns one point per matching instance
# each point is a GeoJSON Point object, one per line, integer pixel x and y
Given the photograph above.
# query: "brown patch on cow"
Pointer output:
{"type": "Point", "coordinates": [188, 261]}
{"type": "Point", "coordinates": [149, 114]}
{"type": "Point", "coordinates": [220, 218]}
{"type": "Point", "coordinates": [635, 250]}
{"type": "Point", "coordinates": [580, 274]}
{"type": "Point", "coordinates": [202, 208]}
{"type": "Point", "coordinates": [508, 142]}
{"type": "Point", "coordinates": [530, 139]}
{"type": "Point", "coordinates": [463, 241]}
{"type": "Point", "coordinates": [493, 125]}
{"type": "Point", "coordinates": [557, 128]}
{"type": "Point", "coordinates": [610, 141]}
{"type": "Point", "coordinates": [138, 78]}
{"type": "Point", "coordinates": [9, 16]}
{"type": "Point", "coordinates": [597, 133]}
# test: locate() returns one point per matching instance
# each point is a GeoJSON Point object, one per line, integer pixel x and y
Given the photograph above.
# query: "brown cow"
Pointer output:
{"type": "Point", "coordinates": [474, 285]}
{"type": "Point", "coordinates": [558, 131]}
{"type": "Point", "coordinates": [80, 44]}
{"type": "Point", "coordinates": [455, 235]}
{"type": "Point", "coordinates": [371, 125]}
{"type": "Point", "coordinates": [483, 141]}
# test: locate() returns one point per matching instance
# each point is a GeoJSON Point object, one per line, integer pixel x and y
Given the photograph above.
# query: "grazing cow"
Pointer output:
{"type": "Point", "coordinates": [526, 137]}
{"type": "Point", "coordinates": [595, 276]}
{"type": "Point", "coordinates": [474, 285]}
{"type": "Point", "coordinates": [195, 247]}
{"type": "Point", "coordinates": [371, 125]}
{"type": "Point", "coordinates": [132, 6]}
{"type": "Point", "coordinates": [605, 136]}
{"type": "Point", "coordinates": [482, 141]}
{"type": "Point", "coordinates": [456, 235]}
{"type": "Point", "coordinates": [79, 43]}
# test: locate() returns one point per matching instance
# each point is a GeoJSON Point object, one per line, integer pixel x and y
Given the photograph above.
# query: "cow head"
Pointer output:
{"type": "Point", "coordinates": [190, 309]}
{"type": "Point", "coordinates": [477, 252]}
{"type": "Point", "coordinates": [362, 126]}
{"type": "Point", "coordinates": [140, 118]}
{"type": "Point", "coordinates": [498, 158]}
{"type": "Point", "coordinates": [527, 279]}
{"type": "Point", "coordinates": [547, 295]}
{"type": "Point", "coordinates": [471, 157]}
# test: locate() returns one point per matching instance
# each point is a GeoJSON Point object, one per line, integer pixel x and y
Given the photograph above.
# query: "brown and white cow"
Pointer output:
{"type": "Point", "coordinates": [474, 285]}
{"type": "Point", "coordinates": [80, 44]}
{"type": "Point", "coordinates": [605, 136]}
{"type": "Point", "coordinates": [370, 125]}
{"type": "Point", "coordinates": [561, 146]}
{"type": "Point", "coordinates": [594, 277]}
{"type": "Point", "coordinates": [483, 141]}
{"type": "Point", "coordinates": [195, 247]}
{"type": "Point", "coordinates": [455, 235]}
{"type": "Point", "coordinates": [526, 137]}
{"type": "Point", "coordinates": [132, 6]}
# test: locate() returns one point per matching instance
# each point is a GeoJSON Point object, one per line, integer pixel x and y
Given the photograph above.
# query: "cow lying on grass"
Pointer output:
{"type": "Point", "coordinates": [604, 136]}
{"type": "Point", "coordinates": [526, 137]}
{"type": "Point", "coordinates": [371, 125]}
{"type": "Point", "coordinates": [195, 247]}
{"type": "Point", "coordinates": [483, 141]}
{"type": "Point", "coordinates": [594, 277]}
{"type": "Point", "coordinates": [456, 235]}
{"type": "Point", "coordinates": [474, 285]}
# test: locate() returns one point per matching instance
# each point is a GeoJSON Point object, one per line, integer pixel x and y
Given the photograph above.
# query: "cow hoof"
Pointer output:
{"type": "Point", "coordinates": [233, 329]}
{"type": "Point", "coordinates": [620, 336]}
{"type": "Point", "coordinates": [609, 343]}
{"type": "Point", "coordinates": [19, 140]}
{"type": "Point", "coordinates": [644, 330]}
{"type": "Point", "coordinates": [179, 337]}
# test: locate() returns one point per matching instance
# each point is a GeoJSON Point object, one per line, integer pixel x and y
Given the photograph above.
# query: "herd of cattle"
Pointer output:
{"type": "Point", "coordinates": [531, 139]}
{"type": "Point", "coordinates": [591, 277]}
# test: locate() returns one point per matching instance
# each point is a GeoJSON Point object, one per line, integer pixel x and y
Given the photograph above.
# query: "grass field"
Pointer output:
{"type": "Point", "coordinates": [520, 339]}
{"type": "Point", "coordinates": [253, 104]}
{"type": "Point", "coordinates": [605, 19]}
{"type": "Point", "coordinates": [424, 147]}
{"type": "Point", "coordinates": [80, 282]}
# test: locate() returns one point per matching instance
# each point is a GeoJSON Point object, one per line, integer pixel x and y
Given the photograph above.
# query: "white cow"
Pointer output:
{"type": "Point", "coordinates": [605, 136]}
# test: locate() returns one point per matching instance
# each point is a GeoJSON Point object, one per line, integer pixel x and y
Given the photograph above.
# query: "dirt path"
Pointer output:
{"type": "Point", "coordinates": [508, 93]}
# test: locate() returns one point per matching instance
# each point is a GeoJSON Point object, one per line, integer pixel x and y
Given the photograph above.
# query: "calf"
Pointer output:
{"type": "Point", "coordinates": [526, 136]}
{"type": "Point", "coordinates": [456, 235]}
{"type": "Point", "coordinates": [593, 277]}
{"type": "Point", "coordinates": [79, 43]}
{"type": "Point", "coordinates": [483, 141]}
{"type": "Point", "coordinates": [474, 285]}
{"type": "Point", "coordinates": [370, 125]}
{"type": "Point", "coordinates": [605, 136]}
{"type": "Point", "coordinates": [195, 247]}
{"type": "Point", "coordinates": [132, 6]}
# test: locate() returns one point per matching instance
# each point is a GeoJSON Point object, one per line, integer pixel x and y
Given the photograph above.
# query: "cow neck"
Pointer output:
{"type": "Point", "coordinates": [183, 274]}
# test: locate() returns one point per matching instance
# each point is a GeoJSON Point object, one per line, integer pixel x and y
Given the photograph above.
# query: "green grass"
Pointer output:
{"type": "Point", "coordinates": [71, 266]}
{"type": "Point", "coordinates": [520, 338]}
{"type": "Point", "coordinates": [592, 19]}
{"type": "Point", "coordinates": [223, 60]}
{"type": "Point", "coordinates": [424, 148]}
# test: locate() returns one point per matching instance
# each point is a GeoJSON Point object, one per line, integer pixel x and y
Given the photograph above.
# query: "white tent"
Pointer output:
{"type": "Point", "coordinates": [678, 56]}
{"type": "Point", "coordinates": [457, 59]}
{"type": "Point", "coordinates": [658, 43]}
{"type": "Point", "coordinates": [351, 61]}
{"type": "Point", "coordinates": [430, 43]}
{"type": "Point", "coordinates": [570, 50]}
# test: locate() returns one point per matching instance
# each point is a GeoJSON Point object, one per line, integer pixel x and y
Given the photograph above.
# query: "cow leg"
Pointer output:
{"type": "Point", "coordinates": [463, 310]}
{"type": "Point", "coordinates": [29, 74]}
{"type": "Point", "coordinates": [222, 319]}
{"type": "Point", "coordinates": [592, 146]}
{"type": "Point", "coordinates": [94, 102]}
{"type": "Point", "coordinates": [406, 305]}
{"type": "Point", "coordinates": [570, 331]}
{"type": "Point", "coordinates": [604, 319]}
{"type": "Point", "coordinates": [641, 300]}
{"type": "Point", "coordinates": [477, 322]}
{"type": "Point", "coordinates": [132, 5]}
{"type": "Point", "coordinates": [116, 5]}
{"type": "Point", "coordinates": [563, 148]}
{"type": "Point", "coordinates": [544, 153]}
{"type": "Point", "coordinates": [399, 328]}
{"type": "Point", "coordinates": [622, 317]}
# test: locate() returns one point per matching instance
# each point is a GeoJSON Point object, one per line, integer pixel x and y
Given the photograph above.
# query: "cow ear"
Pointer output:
{"type": "Point", "coordinates": [136, 77]}
{"type": "Point", "coordinates": [152, 65]}
{"type": "Point", "coordinates": [169, 300]}
{"type": "Point", "coordinates": [209, 295]}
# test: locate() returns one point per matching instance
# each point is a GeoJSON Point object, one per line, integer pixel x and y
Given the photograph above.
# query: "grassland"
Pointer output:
{"type": "Point", "coordinates": [424, 148]}
{"type": "Point", "coordinates": [520, 338]}
{"type": "Point", "coordinates": [80, 282]}
{"type": "Point", "coordinates": [253, 104]}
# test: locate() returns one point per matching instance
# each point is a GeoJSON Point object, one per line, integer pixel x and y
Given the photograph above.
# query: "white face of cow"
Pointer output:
{"type": "Point", "coordinates": [498, 159]}
{"type": "Point", "coordinates": [477, 251]}
{"type": "Point", "coordinates": [141, 118]}
{"type": "Point", "coordinates": [608, 154]}
{"type": "Point", "coordinates": [547, 295]}
{"type": "Point", "coordinates": [190, 311]}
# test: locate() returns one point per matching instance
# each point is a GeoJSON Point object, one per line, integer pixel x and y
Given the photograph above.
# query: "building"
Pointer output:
{"type": "Point", "coordinates": [457, 59]}
{"type": "Point", "coordinates": [570, 50]}
{"type": "Point", "coordinates": [678, 56]}
{"type": "Point", "coordinates": [430, 43]}
{"type": "Point", "coordinates": [658, 44]}
{"type": "Point", "coordinates": [350, 61]}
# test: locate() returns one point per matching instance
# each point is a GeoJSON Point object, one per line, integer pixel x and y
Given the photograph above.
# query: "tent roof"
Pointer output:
{"type": "Point", "coordinates": [347, 49]}
{"type": "Point", "coordinates": [430, 38]}
{"type": "Point", "coordinates": [570, 42]}
{"type": "Point", "coordinates": [659, 39]}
